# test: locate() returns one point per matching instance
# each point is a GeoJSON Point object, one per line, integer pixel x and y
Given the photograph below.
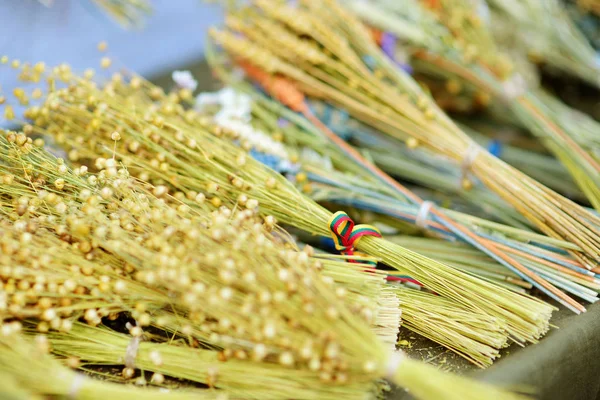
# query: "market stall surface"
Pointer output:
{"type": "Point", "coordinates": [564, 365]}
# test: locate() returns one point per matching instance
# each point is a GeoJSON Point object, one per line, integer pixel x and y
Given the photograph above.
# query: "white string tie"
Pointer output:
{"type": "Point", "coordinates": [393, 364]}
{"type": "Point", "coordinates": [423, 214]}
{"type": "Point", "coordinates": [76, 386]}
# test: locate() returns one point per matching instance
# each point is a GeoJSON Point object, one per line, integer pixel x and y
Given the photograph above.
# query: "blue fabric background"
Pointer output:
{"type": "Point", "coordinates": [70, 30]}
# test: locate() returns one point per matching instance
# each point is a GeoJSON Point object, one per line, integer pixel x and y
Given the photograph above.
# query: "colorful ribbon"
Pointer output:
{"type": "Point", "coordinates": [346, 234]}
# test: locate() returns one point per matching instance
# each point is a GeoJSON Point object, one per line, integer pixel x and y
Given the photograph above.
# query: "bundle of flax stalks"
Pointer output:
{"type": "Point", "coordinates": [454, 41]}
{"type": "Point", "coordinates": [28, 372]}
{"type": "Point", "coordinates": [163, 143]}
{"type": "Point", "coordinates": [329, 54]}
{"type": "Point", "coordinates": [337, 178]}
{"type": "Point", "coordinates": [291, 331]}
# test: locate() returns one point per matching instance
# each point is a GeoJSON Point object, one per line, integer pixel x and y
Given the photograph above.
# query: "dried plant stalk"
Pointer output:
{"type": "Point", "coordinates": [442, 53]}
{"type": "Point", "coordinates": [100, 346]}
{"type": "Point", "coordinates": [462, 335]}
{"type": "Point", "coordinates": [33, 371]}
{"type": "Point", "coordinates": [355, 186]}
{"type": "Point", "coordinates": [83, 243]}
{"type": "Point", "coordinates": [401, 109]}
{"type": "Point", "coordinates": [169, 145]}
{"type": "Point", "coordinates": [303, 323]}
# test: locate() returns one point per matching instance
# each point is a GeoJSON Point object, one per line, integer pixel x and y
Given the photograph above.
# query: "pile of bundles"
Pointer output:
{"type": "Point", "coordinates": [268, 240]}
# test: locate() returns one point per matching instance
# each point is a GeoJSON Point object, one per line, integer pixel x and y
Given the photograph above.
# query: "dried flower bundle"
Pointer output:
{"type": "Point", "coordinates": [565, 132]}
{"type": "Point", "coordinates": [455, 52]}
{"type": "Point", "coordinates": [79, 246]}
{"type": "Point", "coordinates": [430, 170]}
{"type": "Point", "coordinates": [462, 334]}
{"type": "Point", "coordinates": [338, 42]}
{"type": "Point", "coordinates": [167, 144]}
{"type": "Point", "coordinates": [303, 323]}
{"type": "Point", "coordinates": [226, 371]}
{"type": "Point", "coordinates": [261, 113]}
{"type": "Point", "coordinates": [32, 373]}
{"type": "Point", "coordinates": [464, 258]}
{"type": "Point", "coordinates": [363, 288]}
{"type": "Point", "coordinates": [549, 35]}
{"type": "Point", "coordinates": [354, 187]}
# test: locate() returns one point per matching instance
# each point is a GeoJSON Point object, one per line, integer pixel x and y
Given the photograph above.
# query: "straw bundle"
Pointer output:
{"type": "Point", "coordinates": [567, 137]}
{"type": "Point", "coordinates": [462, 257]}
{"type": "Point", "coordinates": [461, 331]}
{"type": "Point", "coordinates": [303, 324]}
{"type": "Point", "coordinates": [338, 42]}
{"type": "Point", "coordinates": [425, 168]}
{"type": "Point", "coordinates": [527, 103]}
{"type": "Point", "coordinates": [168, 145]}
{"type": "Point", "coordinates": [353, 186]}
{"type": "Point", "coordinates": [97, 346]}
{"type": "Point", "coordinates": [151, 267]}
{"type": "Point", "coordinates": [81, 257]}
{"type": "Point", "coordinates": [550, 36]}
{"type": "Point", "coordinates": [32, 373]}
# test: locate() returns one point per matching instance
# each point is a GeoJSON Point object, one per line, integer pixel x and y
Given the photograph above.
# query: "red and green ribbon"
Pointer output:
{"type": "Point", "coordinates": [346, 234]}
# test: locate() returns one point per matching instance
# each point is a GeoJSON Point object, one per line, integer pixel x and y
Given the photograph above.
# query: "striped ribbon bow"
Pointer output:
{"type": "Point", "coordinates": [346, 234]}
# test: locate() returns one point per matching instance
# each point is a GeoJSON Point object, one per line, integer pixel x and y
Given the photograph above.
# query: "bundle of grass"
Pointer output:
{"type": "Point", "coordinates": [338, 181]}
{"type": "Point", "coordinates": [305, 142]}
{"type": "Point", "coordinates": [224, 370]}
{"type": "Point", "coordinates": [461, 332]}
{"type": "Point", "coordinates": [100, 254]}
{"type": "Point", "coordinates": [32, 373]}
{"type": "Point", "coordinates": [328, 53]}
{"type": "Point", "coordinates": [168, 145]}
{"type": "Point", "coordinates": [551, 37]}
{"type": "Point", "coordinates": [464, 258]}
{"type": "Point", "coordinates": [268, 115]}
{"type": "Point", "coordinates": [461, 50]}
{"type": "Point", "coordinates": [367, 286]}
{"type": "Point", "coordinates": [267, 307]}
{"type": "Point", "coordinates": [424, 168]}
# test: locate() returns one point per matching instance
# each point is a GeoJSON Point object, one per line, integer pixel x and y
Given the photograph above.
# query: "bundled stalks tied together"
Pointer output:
{"type": "Point", "coordinates": [163, 143]}
{"type": "Point", "coordinates": [327, 53]}
{"type": "Point", "coordinates": [262, 306]}
{"type": "Point", "coordinates": [453, 41]}
{"type": "Point", "coordinates": [399, 191]}
{"type": "Point", "coordinates": [269, 115]}
{"type": "Point", "coordinates": [550, 36]}
{"type": "Point", "coordinates": [461, 333]}
{"type": "Point", "coordinates": [30, 373]}
{"type": "Point", "coordinates": [64, 192]}
{"type": "Point", "coordinates": [97, 346]}
{"type": "Point", "coordinates": [166, 259]}
{"type": "Point", "coordinates": [335, 180]}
